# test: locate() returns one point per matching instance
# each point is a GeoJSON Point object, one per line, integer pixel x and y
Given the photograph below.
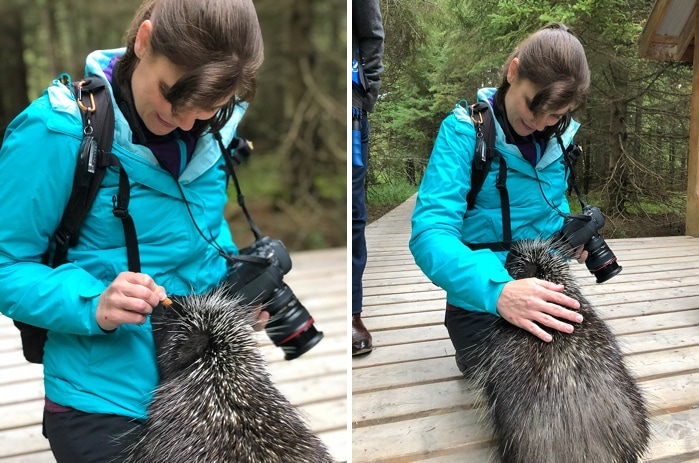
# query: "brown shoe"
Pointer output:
{"type": "Point", "coordinates": [361, 338]}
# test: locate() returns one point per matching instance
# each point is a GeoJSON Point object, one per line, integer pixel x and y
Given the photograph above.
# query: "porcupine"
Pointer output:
{"type": "Point", "coordinates": [571, 400]}
{"type": "Point", "coordinates": [215, 402]}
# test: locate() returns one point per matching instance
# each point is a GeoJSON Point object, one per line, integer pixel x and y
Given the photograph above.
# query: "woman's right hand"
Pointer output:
{"type": "Point", "coordinates": [130, 298]}
{"type": "Point", "coordinates": [531, 302]}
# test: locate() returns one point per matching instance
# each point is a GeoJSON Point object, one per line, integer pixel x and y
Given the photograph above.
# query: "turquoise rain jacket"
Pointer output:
{"type": "Point", "coordinates": [84, 367]}
{"type": "Point", "coordinates": [473, 280]}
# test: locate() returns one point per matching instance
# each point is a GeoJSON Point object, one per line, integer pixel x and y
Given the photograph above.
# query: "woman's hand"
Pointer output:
{"type": "Point", "coordinates": [580, 254]}
{"type": "Point", "coordinates": [524, 302]}
{"type": "Point", "coordinates": [130, 298]}
{"type": "Point", "coordinates": [261, 318]}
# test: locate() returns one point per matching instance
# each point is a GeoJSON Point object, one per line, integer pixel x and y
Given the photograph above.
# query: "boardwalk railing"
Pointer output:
{"type": "Point", "coordinates": [315, 382]}
{"type": "Point", "coordinates": [410, 403]}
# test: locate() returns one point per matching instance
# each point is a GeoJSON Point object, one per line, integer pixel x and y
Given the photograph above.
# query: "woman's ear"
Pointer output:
{"type": "Point", "coordinates": [142, 42]}
{"type": "Point", "coordinates": [512, 70]}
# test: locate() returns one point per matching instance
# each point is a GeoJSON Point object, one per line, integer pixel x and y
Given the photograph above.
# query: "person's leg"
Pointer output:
{"type": "Point", "coordinates": [77, 437]}
{"type": "Point", "coordinates": [361, 338]}
{"type": "Point", "coordinates": [467, 331]}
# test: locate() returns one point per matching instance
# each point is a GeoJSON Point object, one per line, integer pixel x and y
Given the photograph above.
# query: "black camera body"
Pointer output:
{"type": "Point", "coordinates": [583, 229]}
{"type": "Point", "coordinates": [256, 277]}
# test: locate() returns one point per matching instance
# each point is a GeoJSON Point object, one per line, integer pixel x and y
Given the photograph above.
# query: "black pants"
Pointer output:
{"type": "Point", "coordinates": [467, 330]}
{"type": "Point", "coordinates": [77, 437]}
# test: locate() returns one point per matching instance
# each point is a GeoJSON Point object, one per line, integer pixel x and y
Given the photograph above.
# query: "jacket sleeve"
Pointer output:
{"type": "Point", "coordinates": [472, 279]}
{"type": "Point", "coordinates": [368, 28]}
{"type": "Point", "coordinates": [38, 159]}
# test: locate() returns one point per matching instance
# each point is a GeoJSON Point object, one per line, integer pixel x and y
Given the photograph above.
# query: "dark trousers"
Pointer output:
{"type": "Point", "coordinates": [359, 218]}
{"type": "Point", "coordinates": [467, 331]}
{"type": "Point", "coordinates": [77, 437]}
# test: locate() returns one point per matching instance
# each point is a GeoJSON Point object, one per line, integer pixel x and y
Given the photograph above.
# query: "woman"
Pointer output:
{"type": "Point", "coordinates": [545, 79]}
{"type": "Point", "coordinates": [187, 70]}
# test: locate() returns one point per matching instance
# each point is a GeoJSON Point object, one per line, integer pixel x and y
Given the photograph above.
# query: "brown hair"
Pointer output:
{"type": "Point", "coordinates": [554, 60]}
{"type": "Point", "coordinates": [218, 43]}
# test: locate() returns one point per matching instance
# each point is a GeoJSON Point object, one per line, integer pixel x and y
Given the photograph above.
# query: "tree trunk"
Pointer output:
{"type": "Point", "coordinates": [13, 92]}
{"type": "Point", "coordinates": [297, 101]}
{"type": "Point", "coordinates": [618, 180]}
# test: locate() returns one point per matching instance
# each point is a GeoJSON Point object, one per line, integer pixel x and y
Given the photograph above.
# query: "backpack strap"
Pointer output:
{"type": "Point", "coordinates": [482, 160]}
{"type": "Point", "coordinates": [94, 158]}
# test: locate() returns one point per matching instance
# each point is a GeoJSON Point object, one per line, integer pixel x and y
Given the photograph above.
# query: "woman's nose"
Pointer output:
{"type": "Point", "coordinates": [186, 120]}
{"type": "Point", "coordinates": [542, 122]}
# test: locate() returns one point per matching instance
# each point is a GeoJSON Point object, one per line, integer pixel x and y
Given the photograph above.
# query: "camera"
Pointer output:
{"type": "Point", "coordinates": [583, 229]}
{"type": "Point", "coordinates": [256, 277]}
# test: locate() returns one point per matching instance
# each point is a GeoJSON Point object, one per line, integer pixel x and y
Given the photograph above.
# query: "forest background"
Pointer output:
{"type": "Point", "coordinates": [635, 127]}
{"type": "Point", "coordinates": [295, 182]}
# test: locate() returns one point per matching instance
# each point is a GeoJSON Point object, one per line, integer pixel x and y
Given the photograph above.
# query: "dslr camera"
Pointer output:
{"type": "Point", "coordinates": [583, 229]}
{"type": "Point", "coordinates": [256, 277]}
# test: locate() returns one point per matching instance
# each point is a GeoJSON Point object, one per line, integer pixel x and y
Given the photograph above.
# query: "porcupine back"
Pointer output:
{"type": "Point", "coordinates": [215, 402]}
{"type": "Point", "coordinates": [571, 400]}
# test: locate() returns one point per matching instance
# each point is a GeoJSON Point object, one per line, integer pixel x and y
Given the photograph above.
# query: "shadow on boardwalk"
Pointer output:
{"type": "Point", "coordinates": [315, 382]}
{"type": "Point", "coordinates": [409, 402]}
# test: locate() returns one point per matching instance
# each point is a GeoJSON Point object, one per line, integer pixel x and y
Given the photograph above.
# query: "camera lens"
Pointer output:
{"type": "Point", "coordinates": [601, 261]}
{"type": "Point", "coordinates": [290, 326]}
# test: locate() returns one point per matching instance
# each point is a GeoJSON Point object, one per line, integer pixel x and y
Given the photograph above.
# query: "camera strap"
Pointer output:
{"type": "Point", "coordinates": [570, 154]}
{"type": "Point", "coordinates": [241, 149]}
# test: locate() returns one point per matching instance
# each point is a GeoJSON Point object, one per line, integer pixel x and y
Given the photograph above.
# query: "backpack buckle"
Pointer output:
{"type": "Point", "coordinates": [118, 210]}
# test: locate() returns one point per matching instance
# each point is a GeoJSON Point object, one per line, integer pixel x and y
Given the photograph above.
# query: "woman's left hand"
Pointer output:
{"type": "Point", "coordinates": [261, 319]}
{"type": "Point", "coordinates": [580, 254]}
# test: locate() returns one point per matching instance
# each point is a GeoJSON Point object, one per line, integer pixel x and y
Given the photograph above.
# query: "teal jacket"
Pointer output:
{"type": "Point", "coordinates": [84, 367]}
{"type": "Point", "coordinates": [441, 224]}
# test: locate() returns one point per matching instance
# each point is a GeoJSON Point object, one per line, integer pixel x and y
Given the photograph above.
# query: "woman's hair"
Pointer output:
{"type": "Point", "coordinates": [553, 59]}
{"type": "Point", "coordinates": [217, 42]}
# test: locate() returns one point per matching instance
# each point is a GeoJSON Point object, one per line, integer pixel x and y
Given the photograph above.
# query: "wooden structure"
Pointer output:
{"type": "Point", "coordinates": [316, 382]}
{"type": "Point", "coordinates": [669, 34]}
{"type": "Point", "coordinates": [410, 403]}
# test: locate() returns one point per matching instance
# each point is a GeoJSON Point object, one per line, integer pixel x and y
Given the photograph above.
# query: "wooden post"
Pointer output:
{"type": "Point", "coordinates": [692, 219]}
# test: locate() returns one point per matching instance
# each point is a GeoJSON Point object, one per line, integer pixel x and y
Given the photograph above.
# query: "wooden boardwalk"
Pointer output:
{"type": "Point", "coordinates": [316, 382]}
{"type": "Point", "coordinates": [409, 402]}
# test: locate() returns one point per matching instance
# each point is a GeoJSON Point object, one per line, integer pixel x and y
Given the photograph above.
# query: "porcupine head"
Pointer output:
{"type": "Point", "coordinates": [216, 401]}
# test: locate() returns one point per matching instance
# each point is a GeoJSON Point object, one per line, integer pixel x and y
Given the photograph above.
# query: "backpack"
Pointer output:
{"type": "Point", "coordinates": [94, 158]}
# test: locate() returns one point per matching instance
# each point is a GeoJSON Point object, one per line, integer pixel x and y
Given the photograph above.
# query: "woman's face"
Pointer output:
{"type": "Point", "coordinates": [152, 78]}
{"type": "Point", "coordinates": [517, 101]}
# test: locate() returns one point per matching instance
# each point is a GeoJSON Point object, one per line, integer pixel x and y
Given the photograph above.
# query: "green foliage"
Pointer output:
{"type": "Point", "coordinates": [297, 121]}
{"type": "Point", "coordinates": [634, 127]}
{"type": "Point", "coordinates": [389, 194]}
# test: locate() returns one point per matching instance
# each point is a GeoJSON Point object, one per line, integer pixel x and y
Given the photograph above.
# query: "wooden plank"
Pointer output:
{"type": "Point", "coordinates": [20, 441]}
{"type": "Point", "coordinates": [22, 392]}
{"type": "Point", "coordinates": [36, 457]}
{"type": "Point", "coordinates": [413, 439]}
{"type": "Point", "coordinates": [20, 414]}
{"type": "Point", "coordinates": [674, 435]}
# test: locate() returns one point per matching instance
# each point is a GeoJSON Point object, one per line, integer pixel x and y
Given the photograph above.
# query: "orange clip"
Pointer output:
{"type": "Point", "coordinates": [480, 116]}
{"type": "Point", "coordinates": [80, 97]}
